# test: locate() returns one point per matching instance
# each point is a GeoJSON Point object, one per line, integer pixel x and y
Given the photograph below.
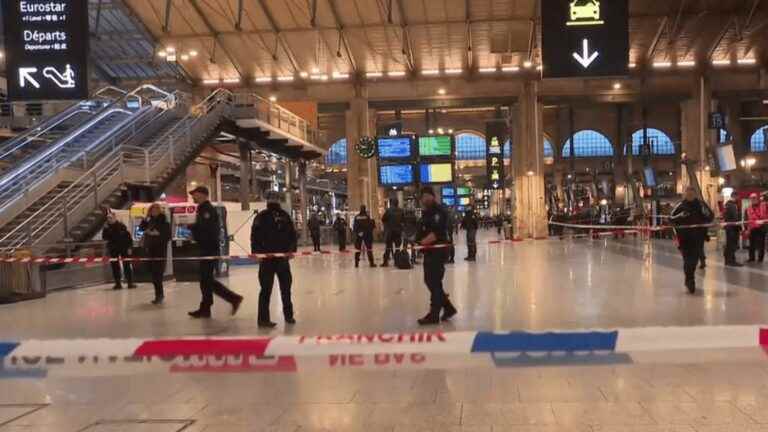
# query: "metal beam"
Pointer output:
{"type": "Point", "coordinates": [751, 15]}
{"type": "Point", "coordinates": [276, 30]}
{"type": "Point", "coordinates": [216, 37]}
{"type": "Point", "coordinates": [239, 22]}
{"type": "Point", "coordinates": [719, 38]}
{"type": "Point", "coordinates": [344, 41]}
{"type": "Point", "coordinates": [167, 18]}
{"type": "Point", "coordinates": [468, 32]}
{"type": "Point", "coordinates": [656, 38]}
{"type": "Point", "coordinates": [407, 45]}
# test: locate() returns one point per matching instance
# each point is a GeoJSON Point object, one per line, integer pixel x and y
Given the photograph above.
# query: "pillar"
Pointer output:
{"type": "Point", "coordinates": [302, 177]}
{"type": "Point", "coordinates": [357, 124]}
{"type": "Point", "coordinates": [528, 165]}
{"type": "Point", "coordinates": [289, 189]}
{"type": "Point", "coordinates": [697, 138]}
{"type": "Point", "coordinates": [245, 176]}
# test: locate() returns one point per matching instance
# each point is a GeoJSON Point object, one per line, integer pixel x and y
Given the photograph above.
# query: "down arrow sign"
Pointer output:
{"type": "Point", "coordinates": [585, 59]}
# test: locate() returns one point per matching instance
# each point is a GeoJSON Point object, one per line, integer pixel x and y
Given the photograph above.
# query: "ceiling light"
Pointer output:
{"type": "Point", "coordinates": [453, 71]}
{"type": "Point", "coordinates": [395, 74]}
{"type": "Point", "coordinates": [231, 80]}
{"type": "Point", "coordinates": [687, 63]}
{"type": "Point", "coordinates": [303, 74]}
{"type": "Point", "coordinates": [315, 70]}
{"type": "Point", "coordinates": [321, 77]}
{"type": "Point", "coordinates": [440, 131]}
{"type": "Point", "coordinates": [721, 62]}
{"type": "Point", "coordinates": [539, 67]}
{"type": "Point", "coordinates": [340, 75]}
{"type": "Point", "coordinates": [487, 70]}
{"type": "Point", "coordinates": [374, 74]}
{"type": "Point", "coordinates": [450, 131]}
{"type": "Point", "coordinates": [161, 54]}
{"type": "Point", "coordinates": [431, 131]}
{"type": "Point", "coordinates": [210, 82]}
{"type": "Point", "coordinates": [441, 91]}
{"type": "Point", "coordinates": [530, 173]}
{"type": "Point", "coordinates": [193, 53]}
{"type": "Point", "coordinates": [285, 78]}
{"type": "Point", "coordinates": [527, 64]}
{"type": "Point", "coordinates": [510, 69]}
{"type": "Point", "coordinates": [746, 61]}
{"type": "Point", "coordinates": [170, 49]}
{"type": "Point", "coordinates": [263, 79]}
{"type": "Point", "coordinates": [430, 72]}
{"type": "Point", "coordinates": [184, 57]}
{"type": "Point", "coordinates": [632, 65]}
{"type": "Point", "coordinates": [616, 86]}
{"type": "Point", "coordinates": [660, 65]}
{"type": "Point", "coordinates": [273, 98]}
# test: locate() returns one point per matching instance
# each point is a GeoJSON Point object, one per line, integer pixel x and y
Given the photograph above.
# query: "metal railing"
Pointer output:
{"type": "Point", "coordinates": [276, 116]}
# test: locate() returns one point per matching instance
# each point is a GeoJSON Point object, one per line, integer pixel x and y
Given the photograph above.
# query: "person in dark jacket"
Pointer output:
{"type": "Point", "coordinates": [732, 232]}
{"type": "Point", "coordinates": [691, 211]}
{"type": "Point", "coordinates": [469, 224]}
{"type": "Point", "coordinates": [273, 233]}
{"type": "Point", "coordinates": [363, 227]}
{"type": "Point", "coordinates": [340, 227]}
{"type": "Point", "coordinates": [157, 234]}
{"type": "Point", "coordinates": [314, 230]}
{"type": "Point", "coordinates": [206, 231]}
{"type": "Point", "coordinates": [119, 245]}
{"type": "Point", "coordinates": [410, 230]}
{"type": "Point", "coordinates": [393, 230]}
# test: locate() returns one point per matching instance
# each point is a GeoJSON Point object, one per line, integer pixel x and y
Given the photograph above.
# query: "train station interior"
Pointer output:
{"type": "Point", "coordinates": [575, 191]}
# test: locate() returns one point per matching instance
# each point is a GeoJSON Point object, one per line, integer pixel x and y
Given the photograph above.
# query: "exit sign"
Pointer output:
{"type": "Point", "coordinates": [582, 38]}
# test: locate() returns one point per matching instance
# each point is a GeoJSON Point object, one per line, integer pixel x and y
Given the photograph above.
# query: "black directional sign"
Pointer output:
{"type": "Point", "coordinates": [585, 38]}
{"type": "Point", "coordinates": [495, 136]}
{"type": "Point", "coordinates": [46, 48]}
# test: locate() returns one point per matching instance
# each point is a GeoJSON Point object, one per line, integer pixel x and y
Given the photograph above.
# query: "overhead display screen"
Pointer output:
{"type": "Point", "coordinates": [585, 38]}
{"type": "Point", "coordinates": [463, 191]}
{"type": "Point", "coordinates": [395, 148]}
{"type": "Point", "coordinates": [435, 146]}
{"type": "Point", "coordinates": [449, 201]}
{"type": "Point", "coordinates": [46, 49]}
{"type": "Point", "coordinates": [396, 175]}
{"type": "Point", "coordinates": [449, 191]}
{"type": "Point", "coordinates": [726, 159]}
{"type": "Point", "coordinates": [436, 172]}
{"type": "Point", "coordinates": [464, 201]}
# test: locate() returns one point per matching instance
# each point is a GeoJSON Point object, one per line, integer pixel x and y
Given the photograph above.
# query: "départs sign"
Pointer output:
{"type": "Point", "coordinates": [46, 45]}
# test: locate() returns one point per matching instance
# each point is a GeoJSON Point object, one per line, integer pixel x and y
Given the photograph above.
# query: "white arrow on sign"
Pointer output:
{"type": "Point", "coordinates": [585, 59]}
{"type": "Point", "coordinates": [25, 74]}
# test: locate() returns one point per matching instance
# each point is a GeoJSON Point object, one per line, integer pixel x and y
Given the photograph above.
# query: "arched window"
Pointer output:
{"type": "Point", "coordinates": [660, 143]}
{"type": "Point", "coordinates": [588, 143]}
{"type": "Point", "coordinates": [759, 140]}
{"type": "Point", "coordinates": [337, 154]}
{"type": "Point", "coordinates": [470, 146]}
{"type": "Point", "coordinates": [549, 151]}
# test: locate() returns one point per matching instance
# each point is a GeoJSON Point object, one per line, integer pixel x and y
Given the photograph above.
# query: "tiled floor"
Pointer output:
{"type": "Point", "coordinates": [536, 286]}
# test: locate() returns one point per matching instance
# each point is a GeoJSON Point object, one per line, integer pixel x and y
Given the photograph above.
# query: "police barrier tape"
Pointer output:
{"type": "Point", "coordinates": [419, 349]}
{"type": "Point", "coordinates": [658, 227]}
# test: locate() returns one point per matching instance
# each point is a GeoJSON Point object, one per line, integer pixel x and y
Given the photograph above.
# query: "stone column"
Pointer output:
{"type": "Point", "coordinates": [696, 139]}
{"type": "Point", "coordinates": [289, 188]}
{"type": "Point", "coordinates": [245, 176]}
{"type": "Point", "coordinates": [528, 164]}
{"type": "Point", "coordinates": [357, 125]}
{"type": "Point", "coordinates": [302, 178]}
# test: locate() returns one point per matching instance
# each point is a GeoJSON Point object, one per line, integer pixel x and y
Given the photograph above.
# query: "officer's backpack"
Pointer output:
{"type": "Point", "coordinates": [402, 259]}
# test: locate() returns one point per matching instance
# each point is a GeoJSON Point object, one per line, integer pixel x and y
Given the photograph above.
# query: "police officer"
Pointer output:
{"type": "Point", "coordinates": [691, 211]}
{"type": "Point", "coordinates": [119, 245]}
{"type": "Point", "coordinates": [732, 230]}
{"type": "Point", "coordinates": [410, 230]}
{"type": "Point", "coordinates": [206, 232]}
{"type": "Point", "coordinates": [363, 228]}
{"type": "Point", "coordinates": [433, 231]}
{"type": "Point", "coordinates": [314, 230]}
{"type": "Point", "coordinates": [393, 229]}
{"type": "Point", "coordinates": [340, 226]}
{"type": "Point", "coordinates": [273, 232]}
{"type": "Point", "coordinates": [469, 224]}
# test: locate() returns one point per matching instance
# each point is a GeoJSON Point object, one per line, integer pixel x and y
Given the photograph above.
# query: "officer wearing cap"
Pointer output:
{"type": "Point", "coordinates": [433, 231]}
{"type": "Point", "coordinates": [273, 233]}
{"type": "Point", "coordinates": [206, 232]}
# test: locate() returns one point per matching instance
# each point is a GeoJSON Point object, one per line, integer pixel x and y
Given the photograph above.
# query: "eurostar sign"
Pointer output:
{"type": "Point", "coordinates": [583, 38]}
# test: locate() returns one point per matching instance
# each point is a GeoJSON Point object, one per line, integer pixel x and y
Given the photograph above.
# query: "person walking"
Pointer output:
{"type": "Point", "coordinates": [340, 227]}
{"type": "Point", "coordinates": [206, 232]}
{"type": "Point", "coordinates": [732, 231]}
{"type": "Point", "coordinates": [755, 216]}
{"type": "Point", "coordinates": [469, 224]}
{"type": "Point", "coordinates": [273, 232]}
{"type": "Point", "coordinates": [157, 234]}
{"type": "Point", "coordinates": [433, 231]}
{"type": "Point", "coordinates": [393, 230]}
{"type": "Point", "coordinates": [119, 247]}
{"type": "Point", "coordinates": [363, 229]}
{"type": "Point", "coordinates": [314, 230]}
{"type": "Point", "coordinates": [691, 211]}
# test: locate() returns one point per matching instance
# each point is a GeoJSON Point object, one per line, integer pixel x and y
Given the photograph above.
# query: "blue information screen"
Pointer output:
{"type": "Point", "coordinates": [448, 191]}
{"type": "Point", "coordinates": [395, 148]}
{"type": "Point", "coordinates": [449, 201]}
{"type": "Point", "coordinates": [396, 175]}
{"type": "Point", "coordinates": [436, 172]}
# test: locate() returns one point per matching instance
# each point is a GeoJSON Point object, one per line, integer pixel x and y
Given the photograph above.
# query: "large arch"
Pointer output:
{"type": "Point", "coordinates": [337, 153]}
{"type": "Point", "coordinates": [759, 140]}
{"type": "Point", "coordinates": [470, 145]}
{"type": "Point", "coordinates": [588, 143]}
{"type": "Point", "coordinates": [661, 143]}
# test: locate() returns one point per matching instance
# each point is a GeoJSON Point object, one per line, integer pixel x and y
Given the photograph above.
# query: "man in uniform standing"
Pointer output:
{"type": "Point", "coordinates": [393, 229]}
{"type": "Point", "coordinates": [340, 227]}
{"type": "Point", "coordinates": [691, 211]}
{"type": "Point", "coordinates": [314, 230]}
{"type": "Point", "coordinates": [273, 233]}
{"type": "Point", "coordinates": [363, 228]}
{"type": "Point", "coordinates": [433, 231]}
{"type": "Point", "coordinates": [206, 232]}
{"type": "Point", "coordinates": [732, 231]}
{"type": "Point", "coordinates": [469, 223]}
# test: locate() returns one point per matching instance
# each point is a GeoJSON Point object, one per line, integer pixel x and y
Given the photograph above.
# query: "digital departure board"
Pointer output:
{"type": "Point", "coordinates": [46, 48]}
{"type": "Point", "coordinates": [435, 146]}
{"type": "Point", "coordinates": [396, 175]}
{"type": "Point", "coordinates": [395, 148]}
{"type": "Point", "coordinates": [436, 172]}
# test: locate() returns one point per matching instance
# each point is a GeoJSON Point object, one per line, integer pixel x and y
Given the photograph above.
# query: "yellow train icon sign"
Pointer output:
{"type": "Point", "coordinates": [585, 12]}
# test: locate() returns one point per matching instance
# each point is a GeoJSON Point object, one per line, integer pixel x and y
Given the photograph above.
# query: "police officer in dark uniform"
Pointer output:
{"type": "Point", "coordinates": [393, 230]}
{"type": "Point", "coordinates": [273, 232]}
{"type": "Point", "coordinates": [206, 232]}
{"type": "Point", "coordinates": [733, 217]}
{"type": "Point", "coordinates": [691, 211]}
{"type": "Point", "coordinates": [363, 228]}
{"type": "Point", "coordinates": [314, 230]}
{"type": "Point", "coordinates": [433, 230]}
{"type": "Point", "coordinates": [469, 223]}
{"type": "Point", "coordinates": [340, 226]}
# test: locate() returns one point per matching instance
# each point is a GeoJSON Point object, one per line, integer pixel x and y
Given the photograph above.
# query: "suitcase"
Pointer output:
{"type": "Point", "coordinates": [402, 259]}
